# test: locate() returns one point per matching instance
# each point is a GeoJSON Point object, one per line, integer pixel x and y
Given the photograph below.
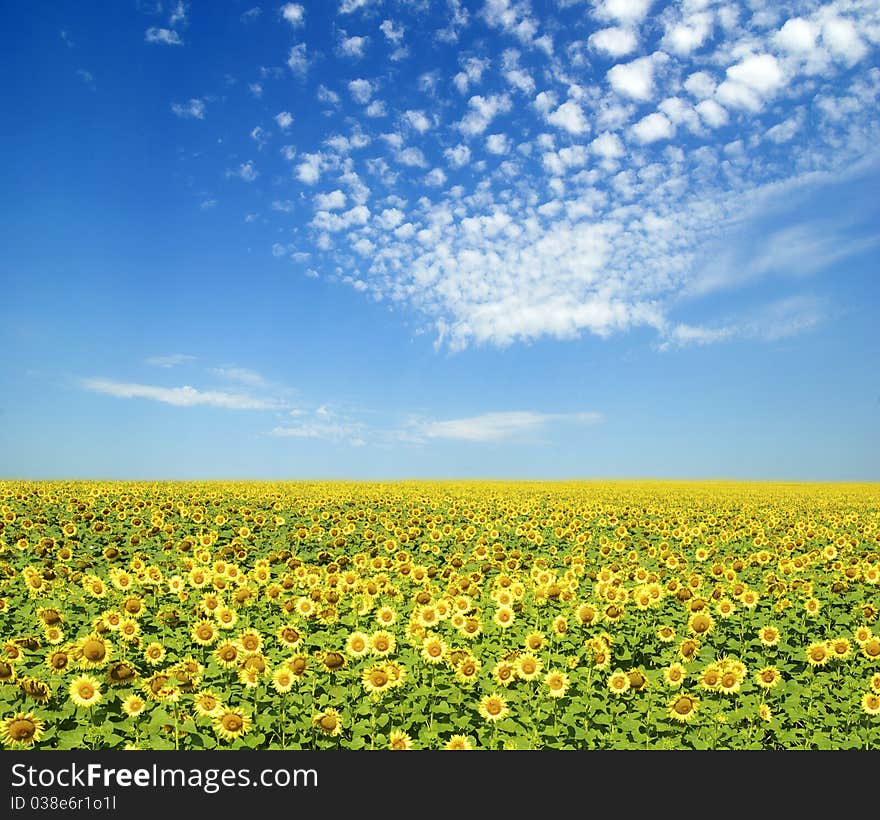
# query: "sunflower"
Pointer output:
{"type": "Point", "coordinates": [289, 636]}
{"type": "Point", "coordinates": [93, 651]}
{"type": "Point", "coordinates": [683, 707]}
{"type": "Point", "coordinates": [399, 740]}
{"type": "Point", "coordinates": [618, 683]}
{"type": "Point", "coordinates": [862, 635]}
{"type": "Point", "coordinates": [557, 684]}
{"type": "Point", "coordinates": [226, 617]}
{"type": "Point", "coordinates": [467, 669]}
{"type": "Point", "coordinates": [385, 616]}
{"type": "Point", "coordinates": [769, 635]}
{"type": "Point", "coordinates": [382, 643]}
{"type": "Point", "coordinates": [230, 724]}
{"type": "Point", "coordinates": [133, 705]}
{"type": "Point", "coordinates": [665, 634]}
{"type": "Point", "coordinates": [504, 617]}
{"type": "Point", "coordinates": [22, 730]}
{"type": "Point", "coordinates": [493, 708]}
{"type": "Point", "coordinates": [298, 665]}
{"type": "Point", "coordinates": [357, 644]}
{"type": "Point", "coordinates": [328, 722]}
{"type": "Point", "coordinates": [282, 679]}
{"type": "Point", "coordinates": [764, 713]}
{"type": "Point", "coordinates": [207, 704]}
{"type": "Point", "coordinates": [35, 689]}
{"type": "Point", "coordinates": [332, 661]}
{"type": "Point", "coordinates": [535, 641]}
{"type": "Point", "coordinates": [154, 654]}
{"type": "Point", "coordinates": [121, 673]}
{"type": "Point", "coordinates": [528, 666]}
{"type": "Point", "coordinates": [710, 677]}
{"type": "Point", "coordinates": [818, 654]}
{"type": "Point", "coordinates": [637, 680]}
{"type": "Point", "coordinates": [871, 649]}
{"type": "Point", "coordinates": [674, 675]}
{"type": "Point", "coordinates": [768, 677]}
{"type": "Point", "coordinates": [54, 635]}
{"type": "Point", "coordinates": [700, 623]}
{"type": "Point", "coordinates": [840, 648]}
{"type": "Point", "coordinates": [687, 649]}
{"type": "Point", "coordinates": [250, 641]}
{"type": "Point", "coordinates": [504, 673]}
{"type": "Point", "coordinates": [434, 649]}
{"type": "Point", "coordinates": [227, 654]}
{"type": "Point", "coordinates": [85, 691]}
{"type": "Point", "coordinates": [729, 683]}
{"type": "Point", "coordinates": [871, 703]}
{"type": "Point", "coordinates": [376, 680]}
{"type": "Point", "coordinates": [875, 682]}
{"type": "Point", "coordinates": [56, 661]}
{"type": "Point", "coordinates": [458, 743]}
{"type": "Point", "coordinates": [204, 632]}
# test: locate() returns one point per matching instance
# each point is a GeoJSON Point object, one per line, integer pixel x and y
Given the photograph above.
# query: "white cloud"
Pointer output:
{"type": "Point", "coordinates": [178, 14]}
{"type": "Point", "coordinates": [353, 47]}
{"type": "Point", "coordinates": [481, 112]}
{"type": "Point", "coordinates": [207, 204]}
{"type": "Point", "coordinates": [497, 426]}
{"type": "Point", "coordinates": [512, 16]}
{"type": "Point", "coordinates": [636, 79]}
{"type": "Point", "coordinates": [751, 82]}
{"type": "Point", "coordinates": [797, 36]}
{"type": "Point", "coordinates": [393, 32]}
{"type": "Point", "coordinates": [334, 201]}
{"type": "Point", "coordinates": [688, 35]}
{"type": "Point", "coordinates": [653, 127]}
{"type": "Point", "coordinates": [246, 171]}
{"type": "Point", "coordinates": [283, 205]}
{"type": "Point", "coordinates": [435, 178]}
{"type": "Point", "coordinates": [608, 146]}
{"type": "Point", "coordinates": [412, 156]}
{"type": "Point", "coordinates": [284, 120]}
{"type": "Point", "coordinates": [185, 396]}
{"type": "Point", "coordinates": [163, 35]}
{"type": "Point", "coordinates": [459, 156]}
{"type": "Point", "coordinates": [376, 109]}
{"type": "Point", "coordinates": [294, 14]}
{"type": "Point", "coordinates": [713, 114]}
{"type": "Point", "coordinates": [172, 360]}
{"type": "Point", "coordinates": [842, 38]}
{"type": "Point", "coordinates": [471, 73]}
{"type": "Point", "coordinates": [194, 109]}
{"type": "Point", "coordinates": [309, 170]}
{"type": "Point", "coordinates": [570, 117]}
{"type": "Point", "coordinates": [349, 6]}
{"type": "Point", "coordinates": [615, 41]}
{"type": "Point", "coordinates": [701, 85]}
{"type": "Point", "coordinates": [251, 15]}
{"type": "Point", "coordinates": [623, 11]}
{"type": "Point", "coordinates": [326, 95]}
{"type": "Point", "coordinates": [418, 121]}
{"type": "Point", "coordinates": [498, 144]}
{"type": "Point", "coordinates": [297, 59]}
{"type": "Point", "coordinates": [361, 90]}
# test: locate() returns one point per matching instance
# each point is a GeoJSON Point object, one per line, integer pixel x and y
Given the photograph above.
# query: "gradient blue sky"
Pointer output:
{"type": "Point", "coordinates": [432, 238]}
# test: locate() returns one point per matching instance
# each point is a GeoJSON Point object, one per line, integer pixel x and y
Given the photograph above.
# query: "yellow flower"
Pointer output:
{"type": "Point", "coordinates": [493, 708]}
{"type": "Point", "coordinates": [230, 724]}
{"type": "Point", "coordinates": [21, 730]}
{"type": "Point", "coordinates": [85, 691]}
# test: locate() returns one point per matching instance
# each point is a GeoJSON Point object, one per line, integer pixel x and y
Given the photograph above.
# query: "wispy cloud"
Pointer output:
{"type": "Point", "coordinates": [772, 322]}
{"type": "Point", "coordinates": [184, 396]}
{"type": "Point", "coordinates": [165, 36]}
{"type": "Point", "coordinates": [497, 426]}
{"type": "Point", "coordinates": [240, 374]}
{"type": "Point", "coordinates": [172, 360]}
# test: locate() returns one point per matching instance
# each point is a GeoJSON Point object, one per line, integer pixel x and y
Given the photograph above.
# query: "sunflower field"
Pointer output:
{"type": "Point", "coordinates": [417, 615]}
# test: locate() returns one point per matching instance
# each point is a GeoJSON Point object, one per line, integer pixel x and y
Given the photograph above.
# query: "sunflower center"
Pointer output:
{"type": "Point", "coordinates": [684, 706]}
{"type": "Point", "coordinates": [328, 723]}
{"type": "Point", "coordinates": [94, 650]}
{"type": "Point", "coordinates": [378, 678]}
{"type": "Point", "coordinates": [22, 729]}
{"type": "Point", "coordinates": [493, 707]}
{"type": "Point", "coordinates": [232, 723]}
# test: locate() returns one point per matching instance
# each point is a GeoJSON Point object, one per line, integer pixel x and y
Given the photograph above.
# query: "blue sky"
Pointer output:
{"type": "Point", "coordinates": [413, 238]}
